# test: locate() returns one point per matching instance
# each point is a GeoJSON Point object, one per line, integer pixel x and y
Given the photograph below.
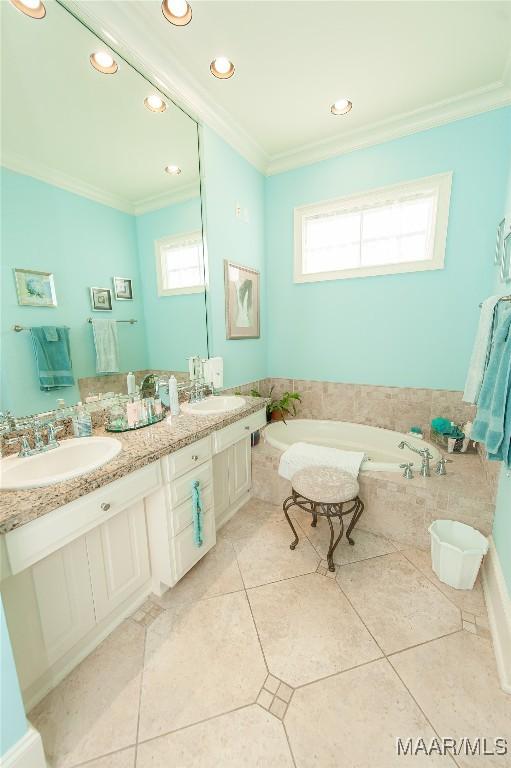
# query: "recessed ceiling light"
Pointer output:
{"type": "Point", "coordinates": [341, 107]}
{"type": "Point", "coordinates": [104, 62]}
{"type": "Point", "coordinates": [33, 8]}
{"type": "Point", "coordinates": [155, 103]}
{"type": "Point", "coordinates": [222, 67]}
{"type": "Point", "coordinates": [178, 12]}
{"type": "Point", "coordinates": [174, 170]}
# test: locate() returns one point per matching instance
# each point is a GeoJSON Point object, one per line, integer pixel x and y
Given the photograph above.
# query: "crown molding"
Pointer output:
{"type": "Point", "coordinates": [76, 186]}
{"type": "Point", "coordinates": [159, 65]}
{"type": "Point", "coordinates": [19, 164]}
{"type": "Point", "coordinates": [485, 99]}
{"type": "Point", "coordinates": [154, 203]}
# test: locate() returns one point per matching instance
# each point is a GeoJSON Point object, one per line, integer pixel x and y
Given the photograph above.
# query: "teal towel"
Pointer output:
{"type": "Point", "coordinates": [197, 513]}
{"type": "Point", "coordinates": [492, 425]}
{"type": "Point", "coordinates": [107, 345]}
{"type": "Point", "coordinates": [53, 357]}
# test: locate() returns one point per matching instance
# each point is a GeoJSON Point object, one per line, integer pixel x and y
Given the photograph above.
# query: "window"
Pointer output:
{"type": "Point", "coordinates": [179, 264]}
{"type": "Point", "coordinates": [394, 229]}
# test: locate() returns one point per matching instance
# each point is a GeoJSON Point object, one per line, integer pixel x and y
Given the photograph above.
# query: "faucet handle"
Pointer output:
{"type": "Point", "coordinates": [408, 472]}
{"type": "Point", "coordinates": [440, 467]}
{"type": "Point", "coordinates": [24, 444]}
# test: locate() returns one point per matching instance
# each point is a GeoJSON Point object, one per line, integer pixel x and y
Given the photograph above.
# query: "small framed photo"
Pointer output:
{"type": "Point", "coordinates": [499, 244]}
{"type": "Point", "coordinates": [101, 299]}
{"type": "Point", "coordinates": [35, 289]}
{"type": "Point", "coordinates": [123, 288]}
{"type": "Point", "coordinates": [241, 301]}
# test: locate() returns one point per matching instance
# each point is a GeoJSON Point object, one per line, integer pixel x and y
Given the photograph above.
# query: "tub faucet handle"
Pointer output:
{"type": "Point", "coordinates": [408, 471]}
{"type": "Point", "coordinates": [440, 467]}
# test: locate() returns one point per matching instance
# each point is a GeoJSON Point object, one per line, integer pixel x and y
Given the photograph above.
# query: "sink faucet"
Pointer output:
{"type": "Point", "coordinates": [425, 455]}
{"type": "Point", "coordinates": [39, 445]}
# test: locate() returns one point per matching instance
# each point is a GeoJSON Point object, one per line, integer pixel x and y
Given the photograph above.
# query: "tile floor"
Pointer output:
{"type": "Point", "coordinates": [262, 658]}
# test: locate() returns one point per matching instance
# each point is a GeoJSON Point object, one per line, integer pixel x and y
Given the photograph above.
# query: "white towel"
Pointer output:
{"type": "Point", "coordinates": [107, 345]}
{"type": "Point", "coordinates": [301, 455]}
{"type": "Point", "coordinates": [481, 351]}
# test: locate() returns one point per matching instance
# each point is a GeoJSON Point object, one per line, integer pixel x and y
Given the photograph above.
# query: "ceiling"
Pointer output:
{"type": "Point", "coordinates": [67, 124]}
{"type": "Point", "coordinates": [405, 66]}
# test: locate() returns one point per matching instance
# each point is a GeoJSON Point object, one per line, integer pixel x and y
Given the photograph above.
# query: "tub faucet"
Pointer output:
{"type": "Point", "coordinates": [425, 455]}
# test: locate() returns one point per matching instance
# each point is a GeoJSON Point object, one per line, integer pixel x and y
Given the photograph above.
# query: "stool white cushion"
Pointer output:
{"type": "Point", "coordinates": [326, 485]}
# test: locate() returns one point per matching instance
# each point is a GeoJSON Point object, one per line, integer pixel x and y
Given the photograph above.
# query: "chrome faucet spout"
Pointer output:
{"type": "Point", "coordinates": [424, 453]}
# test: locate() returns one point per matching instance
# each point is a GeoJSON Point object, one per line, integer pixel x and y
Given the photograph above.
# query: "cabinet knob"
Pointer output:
{"type": "Point", "coordinates": [195, 458]}
{"type": "Point", "coordinates": [105, 506]}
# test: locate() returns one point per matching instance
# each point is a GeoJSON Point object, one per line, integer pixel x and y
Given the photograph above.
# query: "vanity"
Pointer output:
{"type": "Point", "coordinates": [79, 557]}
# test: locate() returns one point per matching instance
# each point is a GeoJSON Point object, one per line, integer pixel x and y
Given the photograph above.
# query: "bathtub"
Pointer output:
{"type": "Point", "coordinates": [379, 445]}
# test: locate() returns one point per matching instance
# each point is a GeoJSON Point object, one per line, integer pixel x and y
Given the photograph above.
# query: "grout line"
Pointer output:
{"type": "Point", "coordinates": [100, 757]}
{"type": "Point", "coordinates": [288, 739]}
{"type": "Point", "coordinates": [140, 697]}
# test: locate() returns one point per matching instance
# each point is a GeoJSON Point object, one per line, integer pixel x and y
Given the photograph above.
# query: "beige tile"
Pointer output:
{"type": "Point", "coordinates": [217, 573]}
{"type": "Point", "coordinates": [253, 517]}
{"type": "Point", "coordinates": [278, 708]}
{"type": "Point", "coordinates": [454, 681]}
{"type": "Point", "coordinates": [353, 720]}
{"type": "Point", "coordinates": [202, 659]}
{"type": "Point", "coordinates": [308, 629]}
{"type": "Point", "coordinates": [271, 684]}
{"type": "Point", "coordinates": [366, 545]}
{"type": "Point", "coordinates": [264, 556]}
{"type": "Point", "coordinates": [471, 600]}
{"type": "Point", "coordinates": [94, 710]}
{"type": "Point", "coordinates": [400, 606]}
{"type": "Point", "coordinates": [469, 626]}
{"type": "Point", "coordinates": [284, 692]}
{"type": "Point", "coordinates": [249, 738]}
{"type": "Point", "coordinates": [265, 699]}
{"type": "Point", "coordinates": [124, 759]}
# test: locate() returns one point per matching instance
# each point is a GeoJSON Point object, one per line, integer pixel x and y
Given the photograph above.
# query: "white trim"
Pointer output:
{"type": "Point", "coordinates": [26, 753]}
{"type": "Point", "coordinates": [156, 202]}
{"type": "Point", "coordinates": [493, 96]}
{"type": "Point", "coordinates": [498, 603]}
{"type": "Point", "coordinates": [171, 240]}
{"type": "Point", "coordinates": [231, 511]}
{"type": "Point", "coordinates": [440, 182]}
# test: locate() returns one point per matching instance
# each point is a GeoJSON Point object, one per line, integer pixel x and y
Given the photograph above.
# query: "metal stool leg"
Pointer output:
{"type": "Point", "coordinates": [288, 503]}
{"type": "Point", "coordinates": [314, 517]}
{"type": "Point", "coordinates": [356, 516]}
{"type": "Point", "coordinates": [331, 548]}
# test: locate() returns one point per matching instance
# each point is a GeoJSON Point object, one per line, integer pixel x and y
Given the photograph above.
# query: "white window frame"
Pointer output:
{"type": "Point", "coordinates": [440, 184]}
{"type": "Point", "coordinates": [171, 240]}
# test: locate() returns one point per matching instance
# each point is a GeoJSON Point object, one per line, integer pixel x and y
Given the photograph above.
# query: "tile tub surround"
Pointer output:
{"type": "Point", "coordinates": [116, 382]}
{"type": "Point", "coordinates": [225, 675]}
{"type": "Point", "coordinates": [396, 408]}
{"type": "Point", "coordinates": [139, 448]}
{"type": "Point", "coordinates": [399, 509]}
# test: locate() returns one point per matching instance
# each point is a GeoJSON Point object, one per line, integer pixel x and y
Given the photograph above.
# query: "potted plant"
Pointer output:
{"type": "Point", "coordinates": [278, 408]}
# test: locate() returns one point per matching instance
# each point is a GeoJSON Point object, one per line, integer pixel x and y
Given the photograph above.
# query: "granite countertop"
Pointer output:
{"type": "Point", "coordinates": [139, 448]}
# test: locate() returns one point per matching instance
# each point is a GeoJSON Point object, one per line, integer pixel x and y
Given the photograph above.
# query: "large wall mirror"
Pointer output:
{"type": "Point", "coordinates": [101, 217]}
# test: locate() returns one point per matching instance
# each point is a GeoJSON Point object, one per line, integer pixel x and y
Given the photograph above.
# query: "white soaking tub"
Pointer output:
{"type": "Point", "coordinates": [379, 445]}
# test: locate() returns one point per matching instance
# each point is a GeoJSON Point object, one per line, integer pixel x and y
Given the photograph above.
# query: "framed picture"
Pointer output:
{"type": "Point", "coordinates": [241, 301]}
{"type": "Point", "coordinates": [123, 288]}
{"type": "Point", "coordinates": [499, 242]}
{"type": "Point", "coordinates": [35, 289]}
{"type": "Point", "coordinates": [505, 265]}
{"type": "Point", "coordinates": [101, 299]}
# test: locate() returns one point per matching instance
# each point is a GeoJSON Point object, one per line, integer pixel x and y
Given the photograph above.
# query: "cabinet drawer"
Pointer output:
{"type": "Point", "coordinates": [181, 489]}
{"type": "Point", "coordinates": [184, 551]}
{"type": "Point", "coordinates": [176, 464]}
{"type": "Point", "coordinates": [33, 541]}
{"type": "Point", "coordinates": [181, 516]}
{"type": "Point", "coordinates": [237, 431]}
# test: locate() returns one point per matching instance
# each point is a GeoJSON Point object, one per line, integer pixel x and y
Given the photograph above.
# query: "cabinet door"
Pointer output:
{"type": "Point", "coordinates": [64, 598]}
{"type": "Point", "coordinates": [118, 558]}
{"type": "Point", "coordinates": [221, 482]}
{"type": "Point", "coordinates": [240, 476]}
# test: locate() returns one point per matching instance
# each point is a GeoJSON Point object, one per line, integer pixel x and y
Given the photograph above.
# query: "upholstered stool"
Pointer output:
{"type": "Point", "coordinates": [329, 492]}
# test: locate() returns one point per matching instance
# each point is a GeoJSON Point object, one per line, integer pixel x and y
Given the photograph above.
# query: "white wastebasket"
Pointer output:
{"type": "Point", "coordinates": [456, 552]}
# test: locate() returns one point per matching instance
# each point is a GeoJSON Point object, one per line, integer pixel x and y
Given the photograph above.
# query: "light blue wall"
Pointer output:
{"type": "Point", "coordinates": [229, 179]}
{"type": "Point", "coordinates": [84, 244]}
{"type": "Point", "coordinates": [413, 329]}
{"type": "Point", "coordinates": [502, 520]}
{"type": "Point", "coordinates": [12, 713]}
{"type": "Point", "coordinates": [175, 325]}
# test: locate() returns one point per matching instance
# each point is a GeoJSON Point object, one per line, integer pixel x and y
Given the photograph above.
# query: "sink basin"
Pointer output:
{"type": "Point", "coordinates": [213, 405]}
{"type": "Point", "coordinates": [73, 457]}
